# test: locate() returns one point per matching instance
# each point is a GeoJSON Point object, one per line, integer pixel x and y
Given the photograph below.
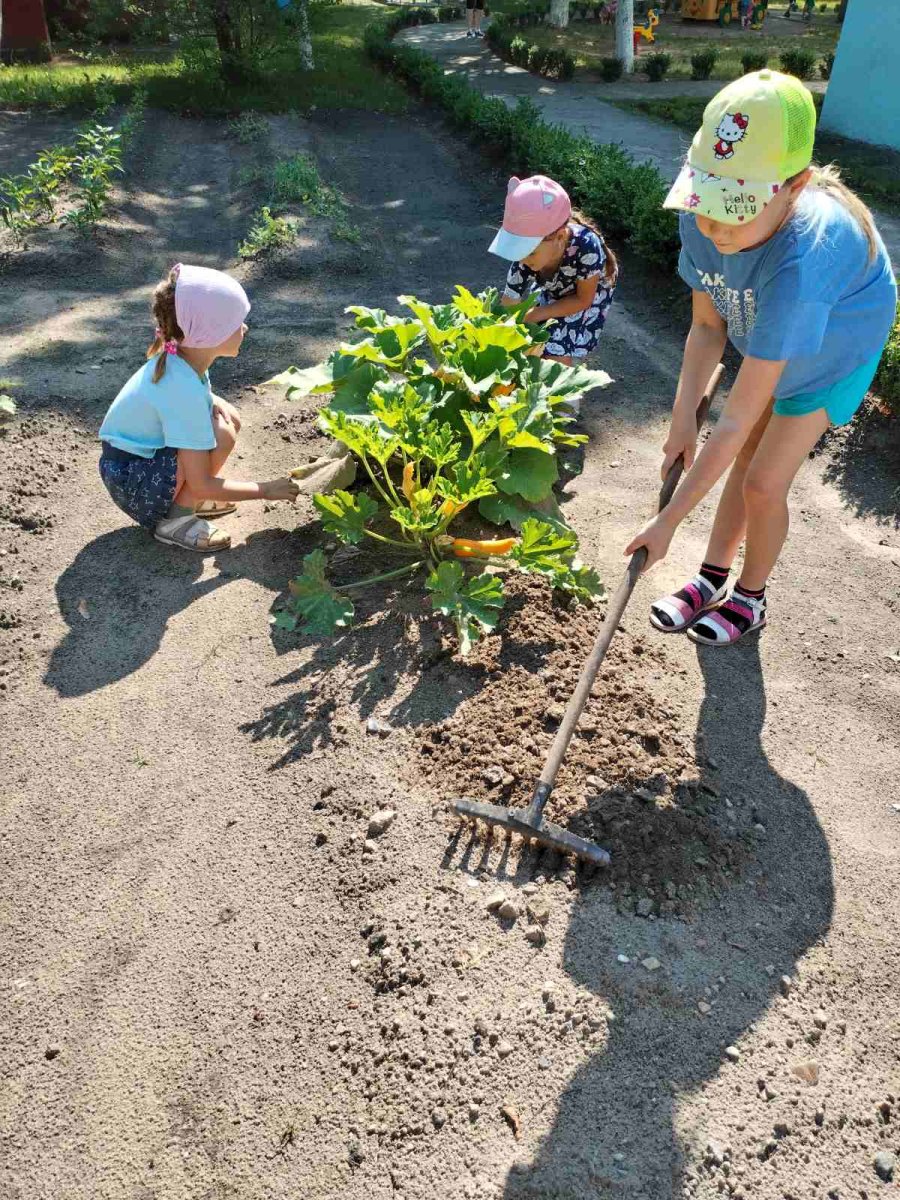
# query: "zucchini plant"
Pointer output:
{"type": "Point", "coordinates": [455, 422]}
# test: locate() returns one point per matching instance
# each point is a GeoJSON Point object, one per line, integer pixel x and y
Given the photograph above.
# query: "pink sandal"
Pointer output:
{"type": "Point", "coordinates": [737, 617]}
{"type": "Point", "coordinates": [675, 613]}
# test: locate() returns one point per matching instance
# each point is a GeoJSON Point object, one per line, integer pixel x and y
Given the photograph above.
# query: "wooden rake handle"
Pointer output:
{"type": "Point", "coordinates": [617, 604]}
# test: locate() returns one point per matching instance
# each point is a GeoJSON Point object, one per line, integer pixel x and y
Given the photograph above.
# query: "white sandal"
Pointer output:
{"type": "Point", "coordinates": [213, 509]}
{"type": "Point", "coordinates": [191, 533]}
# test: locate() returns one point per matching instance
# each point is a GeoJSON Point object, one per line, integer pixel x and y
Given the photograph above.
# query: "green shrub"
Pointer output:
{"type": "Point", "coordinates": [754, 60]}
{"type": "Point", "coordinates": [703, 62]}
{"type": "Point", "coordinates": [826, 66]}
{"type": "Point", "coordinates": [611, 69]}
{"type": "Point", "coordinates": [887, 381]}
{"type": "Point", "coordinates": [656, 65]}
{"type": "Point", "coordinates": [267, 233]}
{"type": "Point", "coordinates": [798, 62]}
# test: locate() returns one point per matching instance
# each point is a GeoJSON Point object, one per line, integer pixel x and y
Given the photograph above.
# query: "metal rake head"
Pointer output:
{"type": "Point", "coordinates": [553, 837]}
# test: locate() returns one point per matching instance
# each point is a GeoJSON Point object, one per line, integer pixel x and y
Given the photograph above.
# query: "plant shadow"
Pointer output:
{"type": "Point", "coordinates": [616, 1127]}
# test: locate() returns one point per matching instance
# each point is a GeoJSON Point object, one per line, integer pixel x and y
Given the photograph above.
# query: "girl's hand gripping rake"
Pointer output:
{"type": "Point", "coordinates": [529, 822]}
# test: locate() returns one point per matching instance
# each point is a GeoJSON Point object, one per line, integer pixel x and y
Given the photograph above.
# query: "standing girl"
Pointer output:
{"type": "Point", "coordinates": [564, 262]}
{"type": "Point", "coordinates": [784, 261]}
{"type": "Point", "coordinates": [166, 437]}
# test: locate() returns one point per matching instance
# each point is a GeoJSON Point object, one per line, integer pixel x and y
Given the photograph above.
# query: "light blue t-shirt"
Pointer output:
{"type": "Point", "coordinates": [176, 412]}
{"type": "Point", "coordinates": [808, 295]}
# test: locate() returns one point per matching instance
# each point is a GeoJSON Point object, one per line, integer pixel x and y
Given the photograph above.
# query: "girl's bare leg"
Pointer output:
{"type": "Point", "coordinates": [784, 447]}
{"type": "Point", "coordinates": [226, 439]}
{"type": "Point", "coordinates": [730, 524]}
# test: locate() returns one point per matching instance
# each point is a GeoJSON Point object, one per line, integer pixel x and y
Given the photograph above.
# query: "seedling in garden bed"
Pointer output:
{"type": "Point", "coordinates": [448, 413]}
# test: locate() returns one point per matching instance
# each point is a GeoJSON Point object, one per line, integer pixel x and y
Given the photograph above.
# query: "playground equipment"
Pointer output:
{"type": "Point", "coordinates": [646, 31]}
{"type": "Point", "coordinates": [723, 11]}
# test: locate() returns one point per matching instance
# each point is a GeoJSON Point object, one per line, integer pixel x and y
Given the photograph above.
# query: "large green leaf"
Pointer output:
{"type": "Point", "coordinates": [473, 603]}
{"type": "Point", "coordinates": [353, 384]}
{"type": "Point", "coordinates": [388, 347]}
{"type": "Point", "coordinates": [440, 322]}
{"type": "Point", "coordinates": [480, 426]}
{"type": "Point", "coordinates": [526, 422]}
{"type": "Point", "coordinates": [307, 382]}
{"type": "Point", "coordinates": [514, 511]}
{"type": "Point", "coordinates": [559, 380]}
{"type": "Point", "coordinates": [542, 547]}
{"type": "Point", "coordinates": [506, 337]}
{"type": "Point", "coordinates": [345, 515]}
{"type": "Point", "coordinates": [366, 438]}
{"type": "Point", "coordinates": [467, 481]}
{"type": "Point", "coordinates": [530, 474]}
{"type": "Point", "coordinates": [322, 608]}
{"type": "Point", "coordinates": [367, 318]}
{"type": "Point", "coordinates": [469, 305]}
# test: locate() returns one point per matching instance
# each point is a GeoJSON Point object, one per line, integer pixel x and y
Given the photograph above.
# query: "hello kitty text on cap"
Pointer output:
{"type": "Point", "coordinates": [756, 133]}
{"type": "Point", "coordinates": [535, 207]}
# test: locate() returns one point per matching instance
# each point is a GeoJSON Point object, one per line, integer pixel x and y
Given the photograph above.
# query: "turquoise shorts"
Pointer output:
{"type": "Point", "coordinates": [840, 401]}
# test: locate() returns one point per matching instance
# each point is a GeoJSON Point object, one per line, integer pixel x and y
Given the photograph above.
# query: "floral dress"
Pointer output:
{"type": "Point", "coordinates": [585, 255]}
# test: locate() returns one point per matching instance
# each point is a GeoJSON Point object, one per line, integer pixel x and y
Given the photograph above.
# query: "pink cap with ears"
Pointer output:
{"type": "Point", "coordinates": [535, 207]}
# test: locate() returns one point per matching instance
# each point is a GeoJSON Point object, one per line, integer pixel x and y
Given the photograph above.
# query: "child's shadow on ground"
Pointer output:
{"type": "Point", "coordinates": [623, 1101]}
{"type": "Point", "coordinates": [123, 588]}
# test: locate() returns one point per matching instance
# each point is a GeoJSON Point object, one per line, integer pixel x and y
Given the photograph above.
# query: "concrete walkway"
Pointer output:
{"type": "Point", "coordinates": [577, 106]}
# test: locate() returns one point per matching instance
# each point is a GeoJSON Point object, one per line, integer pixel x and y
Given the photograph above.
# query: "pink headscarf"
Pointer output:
{"type": "Point", "coordinates": [209, 306]}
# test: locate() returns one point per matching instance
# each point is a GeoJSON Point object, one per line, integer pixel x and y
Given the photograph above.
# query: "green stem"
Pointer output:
{"type": "Point", "coordinates": [408, 570]}
{"type": "Point", "coordinates": [385, 497]}
{"type": "Point", "coordinates": [390, 486]}
{"type": "Point", "coordinates": [380, 537]}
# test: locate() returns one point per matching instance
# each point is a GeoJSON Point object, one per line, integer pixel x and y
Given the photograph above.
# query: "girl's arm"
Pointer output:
{"type": "Point", "coordinates": [750, 396]}
{"type": "Point", "coordinates": [206, 486]}
{"type": "Point", "coordinates": [702, 351]}
{"type": "Point", "coordinates": [582, 299]}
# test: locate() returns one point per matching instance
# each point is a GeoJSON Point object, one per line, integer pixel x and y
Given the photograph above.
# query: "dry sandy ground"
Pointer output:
{"type": "Point", "coordinates": [209, 988]}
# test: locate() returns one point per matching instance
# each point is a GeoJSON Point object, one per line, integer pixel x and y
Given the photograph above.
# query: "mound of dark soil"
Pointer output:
{"type": "Point", "coordinates": [630, 779]}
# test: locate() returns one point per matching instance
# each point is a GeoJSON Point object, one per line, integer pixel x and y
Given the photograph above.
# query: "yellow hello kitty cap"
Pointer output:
{"type": "Point", "coordinates": [756, 133]}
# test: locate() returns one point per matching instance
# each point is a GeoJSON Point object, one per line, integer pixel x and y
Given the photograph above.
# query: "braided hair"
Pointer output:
{"type": "Point", "coordinates": [168, 331]}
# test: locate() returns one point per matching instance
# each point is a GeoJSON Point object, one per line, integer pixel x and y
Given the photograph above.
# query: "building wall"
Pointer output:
{"type": "Point", "coordinates": [863, 98]}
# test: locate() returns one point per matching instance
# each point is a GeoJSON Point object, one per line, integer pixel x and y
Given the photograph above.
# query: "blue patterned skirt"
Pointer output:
{"type": "Point", "coordinates": [143, 488]}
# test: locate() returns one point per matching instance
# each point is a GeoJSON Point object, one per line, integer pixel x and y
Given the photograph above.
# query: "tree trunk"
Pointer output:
{"type": "Point", "coordinates": [228, 42]}
{"type": "Point", "coordinates": [304, 41]}
{"type": "Point", "coordinates": [559, 13]}
{"type": "Point", "coordinates": [625, 35]}
{"type": "Point", "coordinates": [842, 11]}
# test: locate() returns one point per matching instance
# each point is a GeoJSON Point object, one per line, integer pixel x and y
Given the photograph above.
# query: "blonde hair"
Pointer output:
{"type": "Point", "coordinates": [828, 179]}
{"type": "Point", "coordinates": [167, 327]}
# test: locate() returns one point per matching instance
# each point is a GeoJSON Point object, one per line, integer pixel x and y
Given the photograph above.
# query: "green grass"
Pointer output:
{"type": "Point", "coordinates": [344, 77]}
{"type": "Point", "coordinates": [592, 41]}
{"type": "Point", "coordinates": [873, 172]}
{"type": "Point", "coordinates": [297, 180]}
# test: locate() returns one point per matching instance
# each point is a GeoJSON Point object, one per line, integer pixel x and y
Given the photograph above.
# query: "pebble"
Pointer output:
{"type": "Point", "coordinates": [508, 911]}
{"type": "Point", "coordinates": [354, 964]}
{"type": "Point", "coordinates": [555, 713]}
{"type": "Point", "coordinates": [381, 821]}
{"type": "Point", "coordinates": [493, 775]}
{"type": "Point", "coordinates": [885, 1164]}
{"type": "Point", "coordinates": [52, 1051]}
{"type": "Point", "coordinates": [543, 1063]}
{"type": "Point", "coordinates": [539, 911]}
{"type": "Point", "coordinates": [598, 782]}
{"type": "Point", "coordinates": [623, 958]}
{"type": "Point", "coordinates": [819, 1019]}
{"type": "Point", "coordinates": [704, 1007]}
{"type": "Point", "coordinates": [438, 1118]}
{"type": "Point", "coordinates": [369, 847]}
{"type": "Point", "coordinates": [530, 889]}
{"type": "Point", "coordinates": [535, 934]}
{"type": "Point", "coordinates": [715, 1152]}
{"type": "Point", "coordinates": [651, 963]}
{"type": "Point", "coordinates": [732, 1053]}
{"type": "Point", "coordinates": [644, 907]}
{"type": "Point", "coordinates": [481, 1027]}
{"type": "Point", "coordinates": [381, 728]}
{"type": "Point", "coordinates": [504, 1049]}
{"type": "Point", "coordinates": [644, 794]}
{"type": "Point", "coordinates": [785, 985]}
{"type": "Point", "coordinates": [494, 901]}
{"type": "Point", "coordinates": [474, 1112]}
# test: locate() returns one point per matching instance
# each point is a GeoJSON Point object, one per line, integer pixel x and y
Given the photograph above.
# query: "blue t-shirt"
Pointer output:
{"type": "Point", "coordinates": [808, 295]}
{"type": "Point", "coordinates": [176, 412]}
